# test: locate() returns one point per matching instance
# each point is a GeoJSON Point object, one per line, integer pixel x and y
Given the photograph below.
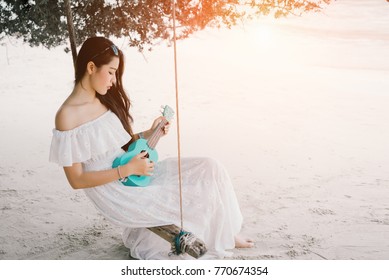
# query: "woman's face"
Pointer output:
{"type": "Point", "coordinates": [104, 77]}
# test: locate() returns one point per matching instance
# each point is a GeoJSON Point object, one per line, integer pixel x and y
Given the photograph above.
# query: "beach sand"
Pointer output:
{"type": "Point", "coordinates": [296, 109]}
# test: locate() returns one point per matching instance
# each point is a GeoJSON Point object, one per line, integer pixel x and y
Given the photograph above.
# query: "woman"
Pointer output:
{"type": "Point", "coordinates": [93, 127]}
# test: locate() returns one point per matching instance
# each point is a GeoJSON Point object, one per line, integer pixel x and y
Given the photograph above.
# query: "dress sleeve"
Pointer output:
{"type": "Point", "coordinates": [68, 147]}
{"type": "Point", "coordinates": [87, 142]}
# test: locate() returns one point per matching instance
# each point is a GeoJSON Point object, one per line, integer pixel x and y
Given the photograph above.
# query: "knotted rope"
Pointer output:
{"type": "Point", "coordinates": [182, 242]}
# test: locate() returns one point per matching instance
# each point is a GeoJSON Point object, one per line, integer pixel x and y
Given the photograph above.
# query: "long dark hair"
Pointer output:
{"type": "Point", "coordinates": [116, 98]}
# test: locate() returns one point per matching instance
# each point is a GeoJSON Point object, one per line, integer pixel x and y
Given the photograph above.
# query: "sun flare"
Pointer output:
{"type": "Point", "coordinates": [263, 34]}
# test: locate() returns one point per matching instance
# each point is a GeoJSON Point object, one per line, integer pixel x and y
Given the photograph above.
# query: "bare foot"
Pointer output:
{"type": "Point", "coordinates": [243, 242]}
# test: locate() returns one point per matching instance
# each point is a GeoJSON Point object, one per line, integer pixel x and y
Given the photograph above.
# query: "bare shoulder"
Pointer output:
{"type": "Point", "coordinates": [74, 113]}
{"type": "Point", "coordinates": [66, 118]}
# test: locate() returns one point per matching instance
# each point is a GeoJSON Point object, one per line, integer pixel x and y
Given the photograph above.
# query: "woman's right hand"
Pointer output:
{"type": "Point", "coordinates": [140, 165]}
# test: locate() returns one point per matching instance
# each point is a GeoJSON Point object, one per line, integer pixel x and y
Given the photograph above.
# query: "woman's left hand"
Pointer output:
{"type": "Point", "coordinates": [164, 128]}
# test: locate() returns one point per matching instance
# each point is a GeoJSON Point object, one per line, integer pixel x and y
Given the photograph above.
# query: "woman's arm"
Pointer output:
{"type": "Point", "coordinates": [139, 165]}
{"type": "Point", "coordinates": [147, 133]}
{"type": "Point", "coordinates": [79, 179]}
{"type": "Point", "coordinates": [144, 134]}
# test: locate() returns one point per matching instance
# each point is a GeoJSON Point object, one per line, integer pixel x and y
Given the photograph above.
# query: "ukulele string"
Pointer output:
{"type": "Point", "coordinates": [156, 135]}
{"type": "Point", "coordinates": [152, 141]}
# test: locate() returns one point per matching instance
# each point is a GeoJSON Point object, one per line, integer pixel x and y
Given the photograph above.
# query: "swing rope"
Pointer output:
{"type": "Point", "coordinates": [183, 240]}
{"type": "Point", "coordinates": [177, 111]}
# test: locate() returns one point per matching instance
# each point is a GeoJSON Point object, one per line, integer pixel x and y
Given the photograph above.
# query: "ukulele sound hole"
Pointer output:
{"type": "Point", "coordinates": [147, 155]}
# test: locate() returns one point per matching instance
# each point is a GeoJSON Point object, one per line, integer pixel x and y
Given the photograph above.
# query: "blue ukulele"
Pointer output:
{"type": "Point", "coordinates": [143, 145]}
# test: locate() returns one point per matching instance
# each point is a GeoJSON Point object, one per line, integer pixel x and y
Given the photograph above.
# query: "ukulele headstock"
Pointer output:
{"type": "Point", "coordinates": [167, 112]}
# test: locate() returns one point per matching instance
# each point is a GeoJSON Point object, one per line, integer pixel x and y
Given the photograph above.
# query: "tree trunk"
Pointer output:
{"type": "Point", "coordinates": [72, 35]}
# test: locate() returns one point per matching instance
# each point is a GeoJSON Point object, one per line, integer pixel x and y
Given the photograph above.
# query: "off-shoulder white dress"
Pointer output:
{"type": "Point", "coordinates": [210, 207]}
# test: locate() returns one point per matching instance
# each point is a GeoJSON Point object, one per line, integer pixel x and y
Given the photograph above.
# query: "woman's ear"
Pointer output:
{"type": "Point", "coordinates": [90, 67]}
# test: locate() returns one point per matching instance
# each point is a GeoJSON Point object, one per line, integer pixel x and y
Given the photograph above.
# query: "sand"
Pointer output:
{"type": "Point", "coordinates": [296, 109]}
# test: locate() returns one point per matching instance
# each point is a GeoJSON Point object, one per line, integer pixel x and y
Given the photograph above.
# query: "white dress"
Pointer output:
{"type": "Point", "coordinates": [210, 208]}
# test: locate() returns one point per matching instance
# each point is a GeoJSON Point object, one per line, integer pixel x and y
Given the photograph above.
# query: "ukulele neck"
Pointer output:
{"type": "Point", "coordinates": [156, 135]}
